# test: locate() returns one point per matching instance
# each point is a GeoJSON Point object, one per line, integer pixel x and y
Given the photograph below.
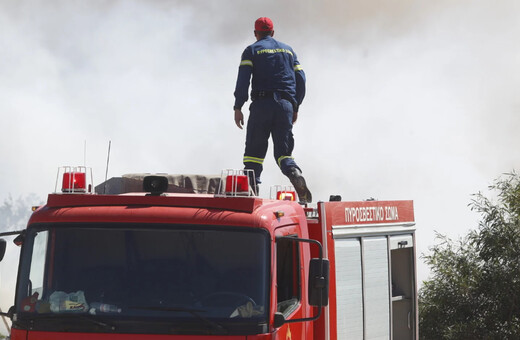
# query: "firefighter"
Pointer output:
{"type": "Point", "coordinates": [278, 88]}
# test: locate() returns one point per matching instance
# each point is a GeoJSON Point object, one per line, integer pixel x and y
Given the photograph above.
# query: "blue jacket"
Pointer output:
{"type": "Point", "coordinates": [274, 67]}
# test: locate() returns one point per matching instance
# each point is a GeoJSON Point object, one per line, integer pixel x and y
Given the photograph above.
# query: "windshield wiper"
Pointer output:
{"type": "Point", "coordinates": [195, 312]}
{"type": "Point", "coordinates": [67, 317]}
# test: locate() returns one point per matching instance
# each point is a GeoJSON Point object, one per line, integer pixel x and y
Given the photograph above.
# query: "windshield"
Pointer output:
{"type": "Point", "coordinates": [145, 279]}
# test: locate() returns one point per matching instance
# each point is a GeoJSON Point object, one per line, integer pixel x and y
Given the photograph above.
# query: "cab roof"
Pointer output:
{"type": "Point", "coordinates": [235, 203]}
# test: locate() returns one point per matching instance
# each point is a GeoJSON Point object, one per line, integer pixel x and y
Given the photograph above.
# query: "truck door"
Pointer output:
{"type": "Point", "coordinates": [288, 284]}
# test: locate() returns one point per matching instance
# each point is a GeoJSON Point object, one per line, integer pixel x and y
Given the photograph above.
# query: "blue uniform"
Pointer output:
{"type": "Point", "coordinates": [278, 88]}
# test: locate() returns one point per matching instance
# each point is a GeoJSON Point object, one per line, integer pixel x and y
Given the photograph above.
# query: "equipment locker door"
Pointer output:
{"type": "Point", "coordinates": [362, 288]}
{"type": "Point", "coordinates": [376, 288]}
{"type": "Point", "coordinates": [349, 288]}
{"type": "Point", "coordinates": [403, 287]}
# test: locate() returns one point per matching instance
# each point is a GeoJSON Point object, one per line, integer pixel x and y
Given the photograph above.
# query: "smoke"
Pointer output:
{"type": "Point", "coordinates": [14, 214]}
{"type": "Point", "coordinates": [406, 99]}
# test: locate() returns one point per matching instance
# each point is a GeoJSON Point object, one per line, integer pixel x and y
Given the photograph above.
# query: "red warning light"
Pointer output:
{"type": "Point", "coordinates": [237, 183]}
{"type": "Point", "coordinates": [286, 195]}
{"type": "Point", "coordinates": [74, 182]}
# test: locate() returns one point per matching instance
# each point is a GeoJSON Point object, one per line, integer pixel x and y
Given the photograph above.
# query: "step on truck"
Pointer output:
{"type": "Point", "coordinates": [199, 257]}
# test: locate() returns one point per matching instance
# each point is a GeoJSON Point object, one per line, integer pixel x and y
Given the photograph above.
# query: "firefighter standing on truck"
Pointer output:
{"type": "Point", "coordinates": [278, 88]}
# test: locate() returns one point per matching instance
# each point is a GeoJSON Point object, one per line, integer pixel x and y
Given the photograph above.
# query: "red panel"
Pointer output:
{"type": "Point", "coordinates": [17, 334]}
{"type": "Point", "coordinates": [369, 212]}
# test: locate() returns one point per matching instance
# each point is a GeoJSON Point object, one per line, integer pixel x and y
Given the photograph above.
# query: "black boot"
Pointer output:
{"type": "Point", "coordinates": [297, 180]}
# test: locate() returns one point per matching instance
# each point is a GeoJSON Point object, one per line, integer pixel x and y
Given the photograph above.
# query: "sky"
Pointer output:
{"type": "Point", "coordinates": [405, 99]}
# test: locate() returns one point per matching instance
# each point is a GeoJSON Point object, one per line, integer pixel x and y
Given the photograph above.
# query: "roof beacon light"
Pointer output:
{"type": "Point", "coordinates": [74, 180]}
{"type": "Point", "coordinates": [286, 195]}
{"type": "Point", "coordinates": [236, 183]}
{"type": "Point", "coordinates": [283, 193]}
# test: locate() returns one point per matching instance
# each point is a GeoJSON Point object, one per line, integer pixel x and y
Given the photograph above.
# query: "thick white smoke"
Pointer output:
{"type": "Point", "coordinates": [406, 99]}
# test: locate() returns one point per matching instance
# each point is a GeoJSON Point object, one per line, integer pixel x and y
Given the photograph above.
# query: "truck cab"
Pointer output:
{"type": "Point", "coordinates": [163, 265]}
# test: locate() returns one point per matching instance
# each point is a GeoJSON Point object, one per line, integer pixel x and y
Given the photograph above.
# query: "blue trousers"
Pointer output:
{"type": "Point", "coordinates": [269, 117]}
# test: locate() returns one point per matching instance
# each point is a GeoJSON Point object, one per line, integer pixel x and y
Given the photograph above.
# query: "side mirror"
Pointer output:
{"type": "Point", "coordinates": [319, 282]}
{"type": "Point", "coordinates": [3, 245]}
{"type": "Point", "coordinates": [279, 320]}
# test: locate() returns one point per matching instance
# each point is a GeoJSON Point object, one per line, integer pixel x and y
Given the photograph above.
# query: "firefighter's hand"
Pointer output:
{"type": "Point", "coordinates": [239, 118]}
{"type": "Point", "coordinates": [294, 117]}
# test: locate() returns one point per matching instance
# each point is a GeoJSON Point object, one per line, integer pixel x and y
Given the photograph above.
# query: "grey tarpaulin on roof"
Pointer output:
{"type": "Point", "coordinates": [197, 184]}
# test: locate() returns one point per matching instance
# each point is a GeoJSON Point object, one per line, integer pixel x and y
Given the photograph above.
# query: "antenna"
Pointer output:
{"type": "Point", "coordinates": [106, 172]}
{"type": "Point", "coordinates": [85, 154]}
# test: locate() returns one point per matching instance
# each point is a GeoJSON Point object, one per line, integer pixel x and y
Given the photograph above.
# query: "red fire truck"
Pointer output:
{"type": "Point", "coordinates": [197, 257]}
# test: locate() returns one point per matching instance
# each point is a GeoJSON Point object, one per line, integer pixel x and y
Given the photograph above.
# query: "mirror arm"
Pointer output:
{"type": "Point", "coordinates": [8, 314]}
{"type": "Point", "coordinates": [10, 233]}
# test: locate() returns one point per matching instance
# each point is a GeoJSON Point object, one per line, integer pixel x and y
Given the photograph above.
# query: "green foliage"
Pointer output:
{"type": "Point", "coordinates": [474, 289]}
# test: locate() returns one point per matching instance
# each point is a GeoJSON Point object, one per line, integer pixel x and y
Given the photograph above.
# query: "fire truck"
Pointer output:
{"type": "Point", "coordinates": [200, 257]}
